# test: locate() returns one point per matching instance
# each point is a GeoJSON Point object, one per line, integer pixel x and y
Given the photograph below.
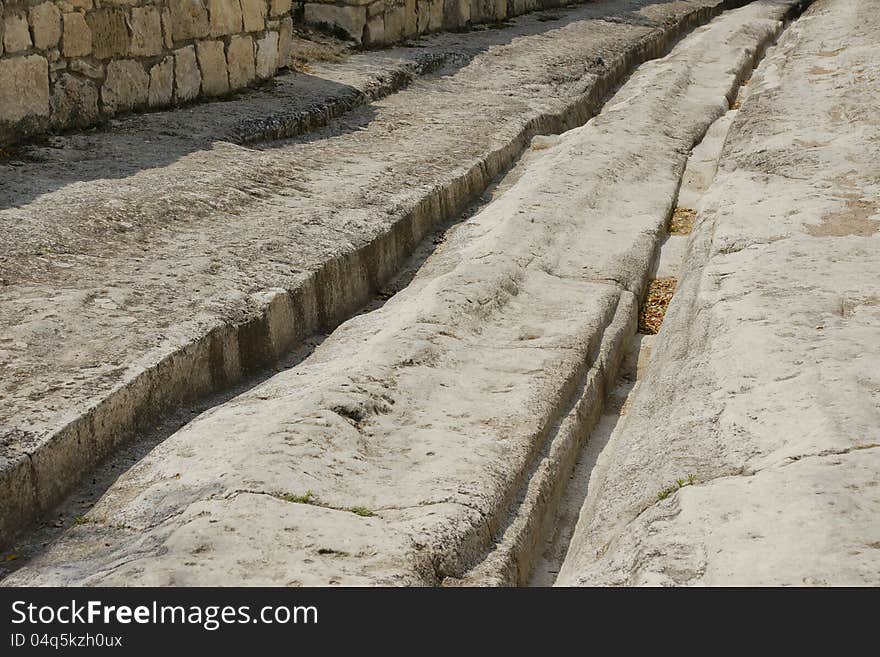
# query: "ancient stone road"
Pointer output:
{"type": "Point", "coordinates": [497, 419]}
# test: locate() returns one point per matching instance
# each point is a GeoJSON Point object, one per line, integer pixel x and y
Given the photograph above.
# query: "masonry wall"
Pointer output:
{"type": "Point", "coordinates": [70, 63]}
{"type": "Point", "coordinates": [382, 22]}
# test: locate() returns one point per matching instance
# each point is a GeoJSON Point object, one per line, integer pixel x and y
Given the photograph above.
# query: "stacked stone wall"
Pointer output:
{"type": "Point", "coordinates": [74, 63]}
{"type": "Point", "coordinates": [383, 22]}
{"type": "Point", "coordinates": [71, 63]}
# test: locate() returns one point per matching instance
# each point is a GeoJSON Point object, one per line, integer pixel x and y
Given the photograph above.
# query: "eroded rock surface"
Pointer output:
{"type": "Point", "coordinates": [765, 381]}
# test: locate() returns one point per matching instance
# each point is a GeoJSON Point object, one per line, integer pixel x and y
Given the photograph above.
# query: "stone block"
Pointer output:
{"type": "Point", "coordinates": [74, 102]}
{"type": "Point", "coordinates": [16, 35]}
{"type": "Point", "coordinates": [424, 16]}
{"type": "Point", "coordinates": [350, 20]}
{"type": "Point", "coordinates": [161, 83]}
{"type": "Point", "coordinates": [45, 20]}
{"type": "Point", "coordinates": [24, 88]}
{"type": "Point", "coordinates": [485, 11]}
{"type": "Point", "coordinates": [279, 7]}
{"type": "Point", "coordinates": [285, 42]}
{"type": "Point", "coordinates": [146, 32]}
{"type": "Point", "coordinates": [166, 29]}
{"type": "Point", "coordinates": [109, 32]}
{"type": "Point", "coordinates": [395, 23]}
{"type": "Point", "coordinates": [435, 15]}
{"type": "Point", "coordinates": [374, 33]}
{"type": "Point", "coordinates": [189, 19]}
{"type": "Point", "coordinates": [76, 39]}
{"type": "Point", "coordinates": [456, 13]}
{"type": "Point", "coordinates": [212, 62]}
{"type": "Point", "coordinates": [240, 61]}
{"type": "Point", "coordinates": [187, 79]}
{"type": "Point", "coordinates": [225, 17]}
{"type": "Point", "coordinates": [377, 8]}
{"type": "Point", "coordinates": [126, 87]}
{"type": "Point", "coordinates": [410, 18]}
{"type": "Point", "coordinates": [267, 55]}
{"type": "Point", "coordinates": [254, 15]}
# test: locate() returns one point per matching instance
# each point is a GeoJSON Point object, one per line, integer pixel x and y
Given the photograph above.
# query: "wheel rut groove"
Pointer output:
{"type": "Point", "coordinates": [214, 354]}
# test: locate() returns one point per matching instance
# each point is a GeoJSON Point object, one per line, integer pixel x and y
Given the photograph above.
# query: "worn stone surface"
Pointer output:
{"type": "Point", "coordinates": [161, 83]}
{"type": "Point", "coordinates": [267, 55]}
{"type": "Point", "coordinates": [279, 7]}
{"type": "Point", "coordinates": [285, 42]}
{"type": "Point", "coordinates": [189, 19]}
{"type": "Point", "coordinates": [110, 36]}
{"type": "Point", "coordinates": [84, 67]}
{"type": "Point", "coordinates": [240, 61]}
{"type": "Point", "coordinates": [179, 169]}
{"type": "Point", "coordinates": [74, 102]}
{"type": "Point", "coordinates": [77, 36]}
{"type": "Point", "coordinates": [16, 34]}
{"type": "Point", "coordinates": [763, 380]}
{"type": "Point", "coordinates": [187, 79]}
{"type": "Point", "coordinates": [374, 32]}
{"type": "Point", "coordinates": [550, 263]}
{"type": "Point", "coordinates": [395, 22]}
{"type": "Point", "coordinates": [456, 13]}
{"type": "Point", "coordinates": [126, 87]}
{"type": "Point", "coordinates": [24, 88]}
{"type": "Point", "coordinates": [146, 31]}
{"type": "Point", "coordinates": [45, 21]}
{"type": "Point", "coordinates": [225, 17]}
{"type": "Point", "coordinates": [167, 30]}
{"type": "Point", "coordinates": [350, 19]}
{"type": "Point", "coordinates": [254, 15]}
{"type": "Point", "coordinates": [212, 62]}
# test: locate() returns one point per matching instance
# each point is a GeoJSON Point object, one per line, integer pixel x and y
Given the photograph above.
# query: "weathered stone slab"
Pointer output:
{"type": "Point", "coordinates": [240, 61]}
{"type": "Point", "coordinates": [161, 83]}
{"type": "Point", "coordinates": [254, 15]}
{"type": "Point", "coordinates": [285, 41]}
{"type": "Point", "coordinates": [187, 79]}
{"type": "Point", "coordinates": [212, 62]}
{"type": "Point", "coordinates": [350, 20]}
{"type": "Point", "coordinates": [189, 19]}
{"type": "Point", "coordinates": [45, 20]}
{"type": "Point", "coordinates": [24, 88]}
{"type": "Point", "coordinates": [76, 40]}
{"type": "Point", "coordinates": [279, 7]}
{"type": "Point", "coordinates": [110, 36]}
{"type": "Point", "coordinates": [225, 17]}
{"type": "Point", "coordinates": [267, 55]}
{"type": "Point", "coordinates": [146, 31]}
{"type": "Point", "coordinates": [456, 13]}
{"type": "Point", "coordinates": [16, 35]}
{"type": "Point", "coordinates": [127, 86]}
{"type": "Point", "coordinates": [74, 102]}
{"type": "Point", "coordinates": [167, 30]}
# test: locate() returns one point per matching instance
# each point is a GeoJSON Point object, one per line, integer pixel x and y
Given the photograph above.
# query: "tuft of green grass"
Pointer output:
{"type": "Point", "coordinates": [308, 498]}
{"type": "Point", "coordinates": [679, 483]}
{"type": "Point", "coordinates": [81, 520]}
{"type": "Point", "coordinates": [361, 511]}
